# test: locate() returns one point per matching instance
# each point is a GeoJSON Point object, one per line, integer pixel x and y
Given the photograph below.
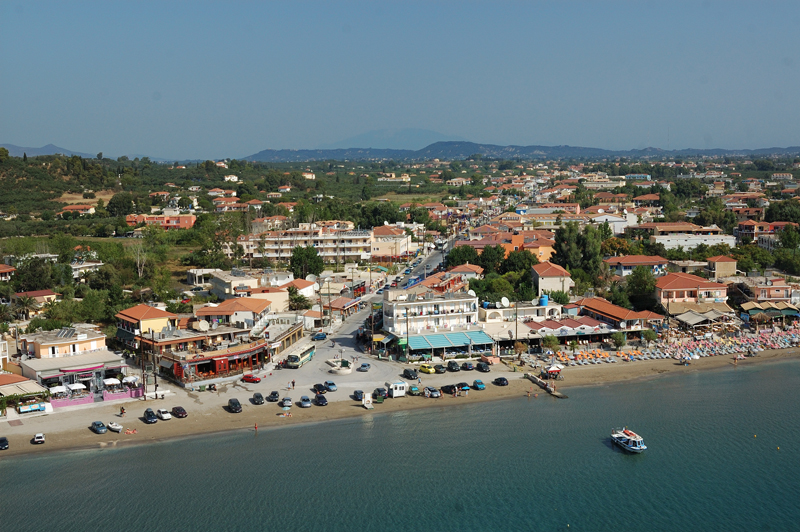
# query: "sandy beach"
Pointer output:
{"type": "Point", "coordinates": [207, 413]}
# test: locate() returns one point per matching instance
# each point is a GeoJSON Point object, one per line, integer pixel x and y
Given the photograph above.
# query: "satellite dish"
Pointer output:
{"type": "Point", "coordinates": [311, 278]}
{"type": "Point", "coordinates": [385, 222]}
{"type": "Point", "coordinates": [504, 302]}
{"type": "Point", "coordinates": [472, 293]}
{"type": "Point", "coordinates": [203, 325]}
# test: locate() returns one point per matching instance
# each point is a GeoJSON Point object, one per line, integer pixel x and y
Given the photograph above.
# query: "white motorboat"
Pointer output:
{"type": "Point", "coordinates": [116, 427]}
{"type": "Point", "coordinates": [628, 440]}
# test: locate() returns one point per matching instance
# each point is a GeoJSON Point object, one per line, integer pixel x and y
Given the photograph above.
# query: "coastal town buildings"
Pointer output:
{"type": "Point", "coordinates": [549, 277]}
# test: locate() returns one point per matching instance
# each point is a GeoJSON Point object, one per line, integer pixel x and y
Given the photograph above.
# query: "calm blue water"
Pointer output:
{"type": "Point", "coordinates": [522, 464]}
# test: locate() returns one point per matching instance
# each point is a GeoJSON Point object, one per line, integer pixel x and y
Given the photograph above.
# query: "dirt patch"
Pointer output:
{"type": "Point", "coordinates": [78, 198]}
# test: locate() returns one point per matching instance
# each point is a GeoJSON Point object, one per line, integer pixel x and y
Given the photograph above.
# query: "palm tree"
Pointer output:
{"type": "Point", "coordinates": [24, 306]}
{"type": "Point", "coordinates": [5, 313]}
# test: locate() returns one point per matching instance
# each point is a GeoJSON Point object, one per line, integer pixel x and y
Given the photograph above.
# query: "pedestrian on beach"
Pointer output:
{"type": "Point", "coordinates": [292, 384]}
{"type": "Point", "coordinates": [419, 380]}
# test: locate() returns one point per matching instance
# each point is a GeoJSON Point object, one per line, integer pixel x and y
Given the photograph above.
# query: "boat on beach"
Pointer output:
{"type": "Point", "coordinates": [628, 440]}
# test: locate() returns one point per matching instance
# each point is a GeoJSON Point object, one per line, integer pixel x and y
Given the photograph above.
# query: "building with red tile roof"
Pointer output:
{"type": "Point", "coordinates": [549, 277]}
{"type": "Point", "coordinates": [625, 264]}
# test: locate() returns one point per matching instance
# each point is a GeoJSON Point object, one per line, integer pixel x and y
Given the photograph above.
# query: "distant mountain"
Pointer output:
{"type": "Point", "coordinates": [393, 139]}
{"type": "Point", "coordinates": [461, 150]}
{"type": "Point", "coordinates": [50, 149]}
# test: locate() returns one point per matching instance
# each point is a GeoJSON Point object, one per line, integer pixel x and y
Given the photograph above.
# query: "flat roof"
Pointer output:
{"type": "Point", "coordinates": [101, 356]}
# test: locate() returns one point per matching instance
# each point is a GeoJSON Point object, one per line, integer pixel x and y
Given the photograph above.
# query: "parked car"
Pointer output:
{"type": "Point", "coordinates": [483, 367]}
{"type": "Point", "coordinates": [287, 401]}
{"type": "Point", "coordinates": [38, 439]}
{"type": "Point", "coordinates": [407, 271]}
{"type": "Point", "coordinates": [463, 386]}
{"type": "Point", "coordinates": [453, 366]}
{"type": "Point", "coordinates": [478, 385]}
{"type": "Point", "coordinates": [319, 388]}
{"type": "Point", "coordinates": [364, 367]}
{"type": "Point", "coordinates": [198, 289]}
{"type": "Point", "coordinates": [251, 378]}
{"type": "Point", "coordinates": [305, 402]}
{"type": "Point", "coordinates": [427, 368]}
{"type": "Point", "coordinates": [379, 291]}
{"type": "Point", "coordinates": [150, 416]}
{"type": "Point", "coordinates": [321, 400]}
{"type": "Point", "coordinates": [330, 386]}
{"type": "Point", "coordinates": [273, 397]}
{"type": "Point", "coordinates": [380, 392]}
{"type": "Point", "coordinates": [234, 406]}
{"type": "Point", "coordinates": [413, 390]}
{"type": "Point", "coordinates": [410, 374]}
{"type": "Point", "coordinates": [501, 381]}
{"type": "Point", "coordinates": [431, 392]}
{"type": "Point", "coordinates": [320, 336]}
{"type": "Point", "coordinates": [449, 389]}
{"type": "Point", "coordinates": [258, 399]}
{"type": "Point", "coordinates": [98, 427]}
{"type": "Point", "coordinates": [163, 414]}
{"type": "Point", "coordinates": [3, 443]}
{"type": "Point", "coordinates": [467, 366]}
{"type": "Point", "coordinates": [358, 395]}
{"type": "Point", "coordinates": [438, 368]}
{"type": "Point", "coordinates": [394, 284]}
{"type": "Point", "coordinates": [179, 412]}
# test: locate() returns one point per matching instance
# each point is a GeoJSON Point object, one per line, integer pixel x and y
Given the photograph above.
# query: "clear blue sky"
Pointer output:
{"type": "Point", "coordinates": [227, 79]}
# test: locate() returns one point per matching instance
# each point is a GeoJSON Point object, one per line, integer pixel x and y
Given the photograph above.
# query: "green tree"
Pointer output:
{"type": "Point", "coordinates": [120, 204]}
{"type": "Point", "coordinates": [550, 342]}
{"type": "Point", "coordinates": [24, 306]}
{"type": "Point", "coordinates": [558, 296]}
{"type": "Point", "coordinates": [567, 251]}
{"type": "Point", "coordinates": [491, 257]}
{"type": "Point", "coordinates": [298, 301]}
{"type": "Point", "coordinates": [789, 238]}
{"type": "Point", "coordinates": [519, 261]}
{"type": "Point", "coordinates": [649, 335]}
{"type": "Point", "coordinates": [462, 255]}
{"type": "Point", "coordinates": [34, 274]}
{"type": "Point", "coordinates": [640, 287]}
{"type": "Point", "coordinates": [619, 339]}
{"type": "Point", "coordinates": [305, 260]}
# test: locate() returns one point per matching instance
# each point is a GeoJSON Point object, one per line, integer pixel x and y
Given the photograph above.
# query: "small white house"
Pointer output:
{"type": "Point", "coordinates": [232, 178]}
{"type": "Point", "coordinates": [397, 389]}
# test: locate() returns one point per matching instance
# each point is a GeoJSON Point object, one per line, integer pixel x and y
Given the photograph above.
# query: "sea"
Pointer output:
{"type": "Point", "coordinates": [724, 454]}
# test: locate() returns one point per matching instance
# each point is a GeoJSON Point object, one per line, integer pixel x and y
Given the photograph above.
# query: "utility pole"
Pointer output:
{"type": "Point", "coordinates": [141, 363]}
{"type": "Point", "coordinates": [408, 335]}
{"type": "Point", "coordinates": [155, 362]}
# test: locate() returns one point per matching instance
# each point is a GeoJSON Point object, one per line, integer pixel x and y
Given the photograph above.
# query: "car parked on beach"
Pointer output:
{"type": "Point", "coordinates": [319, 388]}
{"type": "Point", "coordinates": [478, 384]}
{"type": "Point", "coordinates": [273, 397]}
{"type": "Point", "coordinates": [431, 392]}
{"type": "Point", "coordinates": [305, 402]}
{"type": "Point", "coordinates": [463, 386]}
{"type": "Point", "coordinates": [251, 378]}
{"type": "Point", "coordinates": [427, 368]}
{"type": "Point", "coordinates": [3, 443]}
{"type": "Point", "coordinates": [449, 389]}
{"type": "Point", "coordinates": [453, 366]}
{"type": "Point", "coordinates": [38, 439]}
{"type": "Point", "coordinates": [439, 369]}
{"type": "Point", "coordinates": [234, 406]}
{"type": "Point", "coordinates": [321, 400]}
{"type": "Point", "coordinates": [287, 401]}
{"type": "Point", "coordinates": [98, 427]}
{"type": "Point", "coordinates": [410, 374]}
{"type": "Point", "coordinates": [358, 395]}
{"type": "Point", "coordinates": [380, 392]}
{"type": "Point", "coordinates": [163, 414]}
{"type": "Point", "coordinates": [330, 386]}
{"type": "Point", "coordinates": [501, 381]}
{"type": "Point", "coordinates": [150, 416]}
{"type": "Point", "coordinates": [258, 399]}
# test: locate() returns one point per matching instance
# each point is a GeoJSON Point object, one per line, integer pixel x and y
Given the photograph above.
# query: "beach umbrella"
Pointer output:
{"type": "Point", "coordinates": [131, 378]}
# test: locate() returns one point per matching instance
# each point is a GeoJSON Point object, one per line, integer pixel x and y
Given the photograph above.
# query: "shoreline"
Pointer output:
{"type": "Point", "coordinates": [63, 433]}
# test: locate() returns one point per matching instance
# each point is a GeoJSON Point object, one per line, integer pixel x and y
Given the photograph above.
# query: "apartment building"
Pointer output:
{"type": "Point", "coordinates": [625, 264]}
{"type": "Point", "coordinates": [427, 312]}
{"type": "Point", "coordinates": [333, 245]}
{"type": "Point", "coordinates": [69, 341]}
{"type": "Point", "coordinates": [181, 221]}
